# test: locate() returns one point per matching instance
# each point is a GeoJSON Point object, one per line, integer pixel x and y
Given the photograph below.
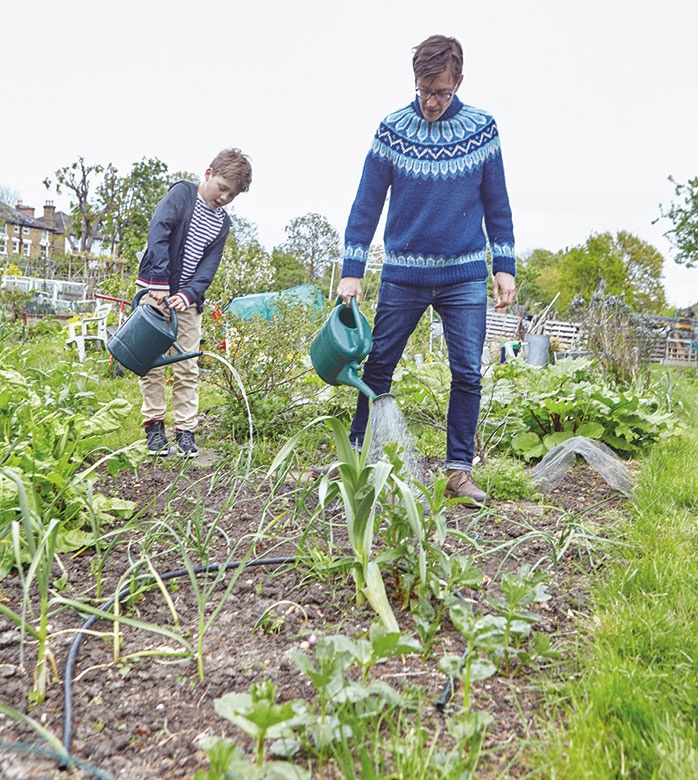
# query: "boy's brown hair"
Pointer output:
{"type": "Point", "coordinates": [437, 54]}
{"type": "Point", "coordinates": [234, 166]}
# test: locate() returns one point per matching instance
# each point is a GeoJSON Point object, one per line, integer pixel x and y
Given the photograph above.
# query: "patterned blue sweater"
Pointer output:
{"type": "Point", "coordinates": [448, 196]}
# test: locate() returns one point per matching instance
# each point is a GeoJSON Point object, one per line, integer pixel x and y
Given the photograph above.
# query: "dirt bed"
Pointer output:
{"type": "Point", "coordinates": [142, 718]}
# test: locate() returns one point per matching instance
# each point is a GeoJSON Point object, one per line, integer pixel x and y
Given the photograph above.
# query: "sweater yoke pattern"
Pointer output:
{"type": "Point", "coordinates": [437, 149]}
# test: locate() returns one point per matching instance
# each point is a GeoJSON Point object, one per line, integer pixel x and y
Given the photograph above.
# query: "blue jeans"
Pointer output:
{"type": "Point", "coordinates": [463, 310]}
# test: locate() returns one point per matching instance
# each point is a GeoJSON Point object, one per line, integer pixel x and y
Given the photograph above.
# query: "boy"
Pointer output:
{"type": "Point", "coordinates": [441, 161]}
{"type": "Point", "coordinates": [185, 243]}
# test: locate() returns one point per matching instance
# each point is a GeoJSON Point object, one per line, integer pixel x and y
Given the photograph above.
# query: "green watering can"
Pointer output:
{"type": "Point", "coordinates": [143, 339]}
{"type": "Point", "coordinates": [340, 346]}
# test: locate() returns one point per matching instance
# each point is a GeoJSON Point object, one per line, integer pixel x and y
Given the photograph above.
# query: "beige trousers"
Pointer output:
{"type": "Point", "coordinates": [185, 375]}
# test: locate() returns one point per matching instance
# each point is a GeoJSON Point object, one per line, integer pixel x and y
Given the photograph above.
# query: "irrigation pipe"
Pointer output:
{"type": "Point", "coordinates": [50, 754]}
{"type": "Point", "coordinates": [126, 591]}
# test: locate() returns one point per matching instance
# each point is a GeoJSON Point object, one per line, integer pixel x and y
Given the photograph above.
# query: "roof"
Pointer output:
{"type": "Point", "coordinates": [15, 217]}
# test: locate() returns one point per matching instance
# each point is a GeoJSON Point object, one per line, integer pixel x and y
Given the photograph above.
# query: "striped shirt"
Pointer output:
{"type": "Point", "coordinates": [204, 228]}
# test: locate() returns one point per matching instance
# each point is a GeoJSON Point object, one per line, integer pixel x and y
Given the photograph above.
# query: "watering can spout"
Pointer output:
{"type": "Point", "coordinates": [349, 376]}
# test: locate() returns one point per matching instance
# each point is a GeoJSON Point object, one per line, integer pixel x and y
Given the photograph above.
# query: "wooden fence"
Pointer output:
{"type": "Point", "coordinates": [677, 340]}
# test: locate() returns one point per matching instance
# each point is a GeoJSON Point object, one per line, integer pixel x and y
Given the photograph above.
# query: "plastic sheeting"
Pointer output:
{"type": "Point", "coordinates": [264, 304]}
{"type": "Point", "coordinates": [559, 460]}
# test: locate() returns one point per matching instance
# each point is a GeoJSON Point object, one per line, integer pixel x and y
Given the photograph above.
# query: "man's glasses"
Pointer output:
{"type": "Point", "coordinates": [441, 95]}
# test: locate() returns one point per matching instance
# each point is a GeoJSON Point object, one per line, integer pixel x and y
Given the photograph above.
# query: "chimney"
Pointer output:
{"type": "Point", "coordinates": [28, 211]}
{"type": "Point", "coordinates": [49, 214]}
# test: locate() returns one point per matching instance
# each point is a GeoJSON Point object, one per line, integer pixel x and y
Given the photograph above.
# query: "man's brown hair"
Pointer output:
{"type": "Point", "coordinates": [234, 166]}
{"type": "Point", "coordinates": [437, 54]}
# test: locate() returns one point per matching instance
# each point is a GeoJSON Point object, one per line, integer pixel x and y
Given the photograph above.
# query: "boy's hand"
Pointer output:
{"type": "Point", "coordinates": [178, 303]}
{"type": "Point", "coordinates": [158, 295]}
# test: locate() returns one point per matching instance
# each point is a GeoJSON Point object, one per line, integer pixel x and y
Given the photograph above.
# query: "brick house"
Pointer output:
{"type": "Point", "coordinates": [22, 235]}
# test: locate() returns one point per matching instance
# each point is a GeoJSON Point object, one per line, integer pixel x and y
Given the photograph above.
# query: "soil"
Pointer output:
{"type": "Point", "coordinates": [141, 717]}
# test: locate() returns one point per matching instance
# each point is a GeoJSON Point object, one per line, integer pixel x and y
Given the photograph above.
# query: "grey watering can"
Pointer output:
{"type": "Point", "coordinates": [144, 338]}
{"type": "Point", "coordinates": [340, 345]}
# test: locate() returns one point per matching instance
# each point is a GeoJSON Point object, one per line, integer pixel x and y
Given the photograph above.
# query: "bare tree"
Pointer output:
{"type": "Point", "coordinates": [89, 210]}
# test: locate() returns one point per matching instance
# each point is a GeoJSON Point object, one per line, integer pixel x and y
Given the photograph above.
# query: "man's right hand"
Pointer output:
{"type": "Point", "coordinates": [349, 287]}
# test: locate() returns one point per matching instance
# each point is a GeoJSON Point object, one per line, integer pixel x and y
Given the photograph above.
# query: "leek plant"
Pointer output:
{"type": "Point", "coordinates": [361, 486]}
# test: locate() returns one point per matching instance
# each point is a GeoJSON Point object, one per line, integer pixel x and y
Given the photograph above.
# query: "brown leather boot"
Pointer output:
{"type": "Point", "coordinates": [461, 484]}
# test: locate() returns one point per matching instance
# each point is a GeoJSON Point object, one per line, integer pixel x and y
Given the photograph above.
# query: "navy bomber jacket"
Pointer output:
{"type": "Point", "coordinates": [161, 265]}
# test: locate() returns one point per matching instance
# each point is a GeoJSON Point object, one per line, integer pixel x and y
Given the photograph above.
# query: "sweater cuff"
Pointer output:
{"type": "Point", "coordinates": [186, 298]}
{"type": "Point", "coordinates": [152, 285]}
{"type": "Point", "coordinates": [505, 264]}
{"type": "Point", "coordinates": [355, 268]}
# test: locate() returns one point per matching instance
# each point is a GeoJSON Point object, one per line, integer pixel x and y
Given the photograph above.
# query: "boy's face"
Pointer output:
{"type": "Point", "coordinates": [217, 191]}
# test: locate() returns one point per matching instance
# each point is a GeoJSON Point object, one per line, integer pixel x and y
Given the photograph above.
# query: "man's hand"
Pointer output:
{"type": "Point", "coordinates": [503, 290]}
{"type": "Point", "coordinates": [349, 287]}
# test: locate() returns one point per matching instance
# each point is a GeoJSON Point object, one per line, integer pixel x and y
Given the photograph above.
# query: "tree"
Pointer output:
{"type": "Point", "coordinates": [288, 271]}
{"type": "Point", "coordinates": [538, 276]}
{"type": "Point", "coordinates": [245, 266]}
{"type": "Point", "coordinates": [87, 211]}
{"type": "Point", "coordinates": [315, 243]}
{"type": "Point", "coordinates": [8, 195]}
{"type": "Point", "coordinates": [623, 266]}
{"type": "Point", "coordinates": [644, 290]}
{"type": "Point", "coordinates": [683, 213]}
{"type": "Point", "coordinates": [134, 200]}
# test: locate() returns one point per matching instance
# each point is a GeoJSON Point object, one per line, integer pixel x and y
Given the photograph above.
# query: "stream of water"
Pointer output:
{"type": "Point", "coordinates": [388, 424]}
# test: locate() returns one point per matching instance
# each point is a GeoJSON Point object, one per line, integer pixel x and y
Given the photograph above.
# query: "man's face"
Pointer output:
{"type": "Point", "coordinates": [216, 190]}
{"type": "Point", "coordinates": [435, 94]}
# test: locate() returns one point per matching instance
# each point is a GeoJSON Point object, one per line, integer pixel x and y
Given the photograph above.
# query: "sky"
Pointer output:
{"type": "Point", "coordinates": [595, 102]}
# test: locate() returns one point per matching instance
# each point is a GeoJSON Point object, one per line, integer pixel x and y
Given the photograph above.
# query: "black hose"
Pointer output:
{"type": "Point", "coordinates": [72, 654]}
{"type": "Point", "coordinates": [449, 687]}
{"type": "Point", "coordinates": [51, 754]}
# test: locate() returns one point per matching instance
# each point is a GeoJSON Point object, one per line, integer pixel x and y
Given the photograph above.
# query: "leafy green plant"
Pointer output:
{"type": "Point", "coordinates": [46, 434]}
{"type": "Point", "coordinates": [271, 358]}
{"type": "Point", "coordinates": [506, 479]}
{"type": "Point", "coordinates": [569, 399]}
{"type": "Point", "coordinates": [518, 593]}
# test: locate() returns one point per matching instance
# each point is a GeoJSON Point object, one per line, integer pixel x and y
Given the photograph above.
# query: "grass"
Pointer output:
{"type": "Point", "coordinates": [630, 707]}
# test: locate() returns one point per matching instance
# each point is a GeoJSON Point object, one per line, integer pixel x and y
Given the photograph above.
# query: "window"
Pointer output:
{"type": "Point", "coordinates": [25, 230]}
{"type": "Point", "coordinates": [15, 246]}
{"type": "Point", "coordinates": [28, 248]}
{"type": "Point", "coordinates": [44, 237]}
{"type": "Point", "coordinates": [3, 245]}
{"type": "Point", "coordinates": [16, 227]}
{"type": "Point", "coordinates": [3, 229]}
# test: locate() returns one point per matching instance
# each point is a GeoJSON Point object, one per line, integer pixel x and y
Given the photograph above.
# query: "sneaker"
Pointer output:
{"type": "Point", "coordinates": [186, 446]}
{"type": "Point", "coordinates": [157, 440]}
{"type": "Point", "coordinates": [461, 484]}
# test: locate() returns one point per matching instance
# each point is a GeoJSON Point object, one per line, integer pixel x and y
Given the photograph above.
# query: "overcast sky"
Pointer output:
{"type": "Point", "coordinates": [595, 102]}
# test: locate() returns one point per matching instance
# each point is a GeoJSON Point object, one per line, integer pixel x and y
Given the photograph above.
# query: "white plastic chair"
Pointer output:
{"type": "Point", "coordinates": [92, 328]}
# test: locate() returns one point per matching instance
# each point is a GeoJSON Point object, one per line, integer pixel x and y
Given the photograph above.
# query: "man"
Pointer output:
{"type": "Point", "coordinates": [441, 161]}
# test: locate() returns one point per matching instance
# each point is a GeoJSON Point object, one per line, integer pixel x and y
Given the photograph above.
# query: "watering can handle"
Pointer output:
{"type": "Point", "coordinates": [359, 322]}
{"type": "Point", "coordinates": [144, 291]}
